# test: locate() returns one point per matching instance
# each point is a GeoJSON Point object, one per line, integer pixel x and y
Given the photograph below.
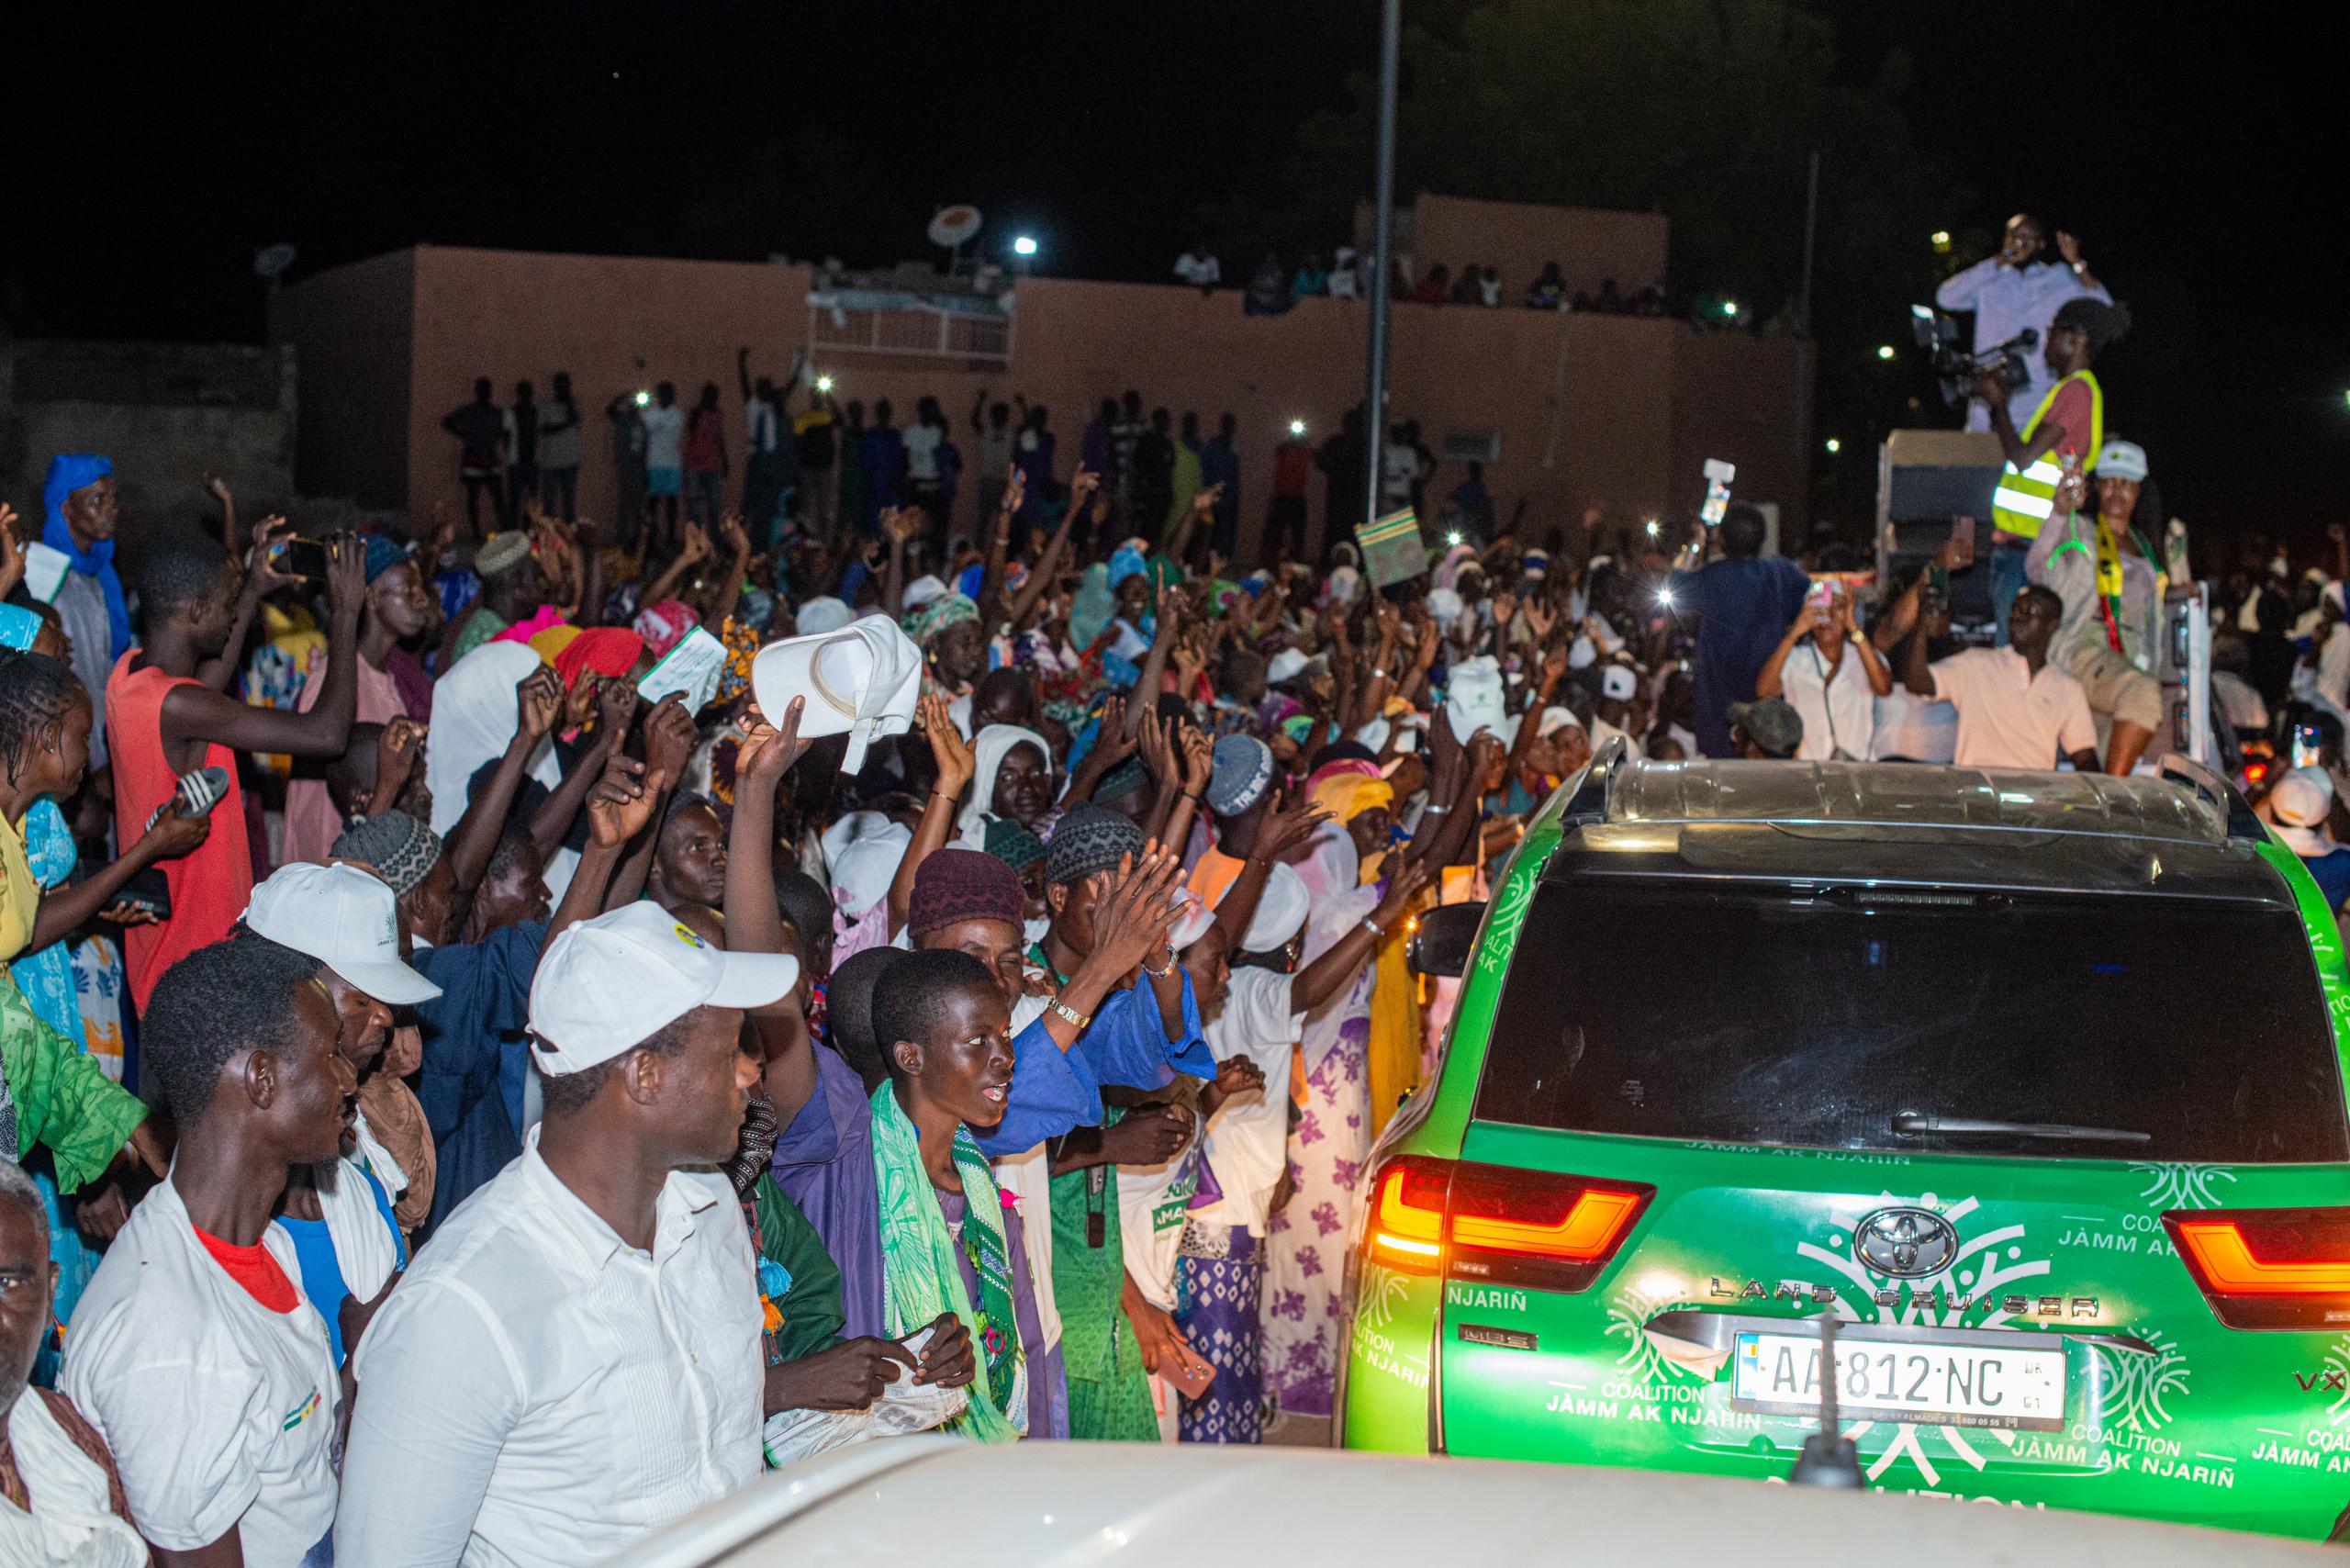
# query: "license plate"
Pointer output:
{"type": "Point", "coordinates": [1918, 1381]}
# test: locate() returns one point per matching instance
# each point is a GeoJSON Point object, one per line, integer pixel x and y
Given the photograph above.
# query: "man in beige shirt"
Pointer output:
{"type": "Point", "coordinates": [2015, 708]}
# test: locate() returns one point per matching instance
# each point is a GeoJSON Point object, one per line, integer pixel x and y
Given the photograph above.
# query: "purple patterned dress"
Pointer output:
{"type": "Point", "coordinates": [1306, 1247]}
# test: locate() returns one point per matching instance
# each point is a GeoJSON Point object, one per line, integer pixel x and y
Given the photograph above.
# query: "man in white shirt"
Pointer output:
{"type": "Point", "coordinates": [2015, 707]}
{"type": "Point", "coordinates": [1199, 267]}
{"type": "Point", "coordinates": [576, 1360]}
{"type": "Point", "coordinates": [2017, 289]}
{"type": "Point", "coordinates": [665, 458]}
{"type": "Point", "coordinates": [194, 1351]}
{"type": "Point", "coordinates": [347, 921]}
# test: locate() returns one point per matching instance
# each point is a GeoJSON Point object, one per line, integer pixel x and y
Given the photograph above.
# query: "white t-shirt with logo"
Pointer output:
{"type": "Point", "coordinates": [220, 1414]}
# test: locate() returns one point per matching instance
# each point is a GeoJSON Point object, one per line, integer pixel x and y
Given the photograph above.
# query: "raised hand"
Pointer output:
{"type": "Point", "coordinates": [901, 525]}
{"type": "Point", "coordinates": [737, 537]}
{"type": "Point", "coordinates": [1199, 759]}
{"type": "Point", "coordinates": [217, 489]}
{"type": "Point", "coordinates": [1157, 751]}
{"type": "Point", "coordinates": [538, 699]}
{"type": "Point", "coordinates": [1290, 825]}
{"type": "Point", "coordinates": [1134, 911]}
{"type": "Point", "coordinates": [1081, 486]}
{"type": "Point", "coordinates": [669, 742]}
{"type": "Point", "coordinates": [1203, 499]}
{"type": "Point", "coordinates": [1015, 491]}
{"type": "Point", "coordinates": [616, 702]}
{"type": "Point", "coordinates": [1405, 878]}
{"type": "Point", "coordinates": [397, 750]}
{"type": "Point", "coordinates": [697, 546]}
{"type": "Point", "coordinates": [956, 762]}
{"type": "Point", "coordinates": [262, 576]}
{"type": "Point", "coordinates": [1113, 744]}
{"type": "Point", "coordinates": [346, 578]}
{"type": "Point", "coordinates": [768, 753]}
{"type": "Point", "coordinates": [621, 802]}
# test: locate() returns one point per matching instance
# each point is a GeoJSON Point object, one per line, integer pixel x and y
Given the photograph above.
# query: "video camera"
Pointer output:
{"type": "Point", "coordinates": [1937, 335]}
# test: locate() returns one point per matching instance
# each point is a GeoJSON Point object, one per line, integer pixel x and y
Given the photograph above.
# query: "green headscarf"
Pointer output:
{"type": "Point", "coordinates": [1089, 611]}
{"type": "Point", "coordinates": [937, 615]}
{"type": "Point", "coordinates": [920, 1276]}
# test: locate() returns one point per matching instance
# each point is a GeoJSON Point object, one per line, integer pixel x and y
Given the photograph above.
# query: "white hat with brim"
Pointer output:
{"type": "Point", "coordinates": [861, 680]}
{"type": "Point", "coordinates": [608, 985]}
{"type": "Point", "coordinates": [345, 918]}
{"type": "Point", "coordinates": [2301, 804]}
{"type": "Point", "coordinates": [1286, 664]}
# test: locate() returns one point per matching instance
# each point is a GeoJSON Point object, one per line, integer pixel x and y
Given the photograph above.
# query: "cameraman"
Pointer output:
{"type": "Point", "coordinates": [2104, 570]}
{"type": "Point", "coordinates": [2017, 290]}
{"type": "Point", "coordinates": [2065, 430]}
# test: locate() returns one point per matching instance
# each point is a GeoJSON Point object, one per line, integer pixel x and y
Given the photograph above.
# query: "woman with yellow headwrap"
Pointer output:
{"type": "Point", "coordinates": [1364, 801]}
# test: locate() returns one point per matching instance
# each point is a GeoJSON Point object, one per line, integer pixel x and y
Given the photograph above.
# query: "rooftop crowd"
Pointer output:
{"type": "Point", "coordinates": [515, 1030]}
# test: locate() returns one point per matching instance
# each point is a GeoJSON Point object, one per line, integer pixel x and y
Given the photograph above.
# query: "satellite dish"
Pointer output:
{"type": "Point", "coordinates": [955, 225]}
{"type": "Point", "coordinates": [271, 263]}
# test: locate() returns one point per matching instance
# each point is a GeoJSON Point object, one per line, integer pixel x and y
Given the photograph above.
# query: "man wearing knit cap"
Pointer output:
{"type": "Point", "coordinates": [1239, 795]}
{"type": "Point", "coordinates": [576, 1360]}
{"type": "Point", "coordinates": [512, 588]}
{"type": "Point", "coordinates": [1021, 850]}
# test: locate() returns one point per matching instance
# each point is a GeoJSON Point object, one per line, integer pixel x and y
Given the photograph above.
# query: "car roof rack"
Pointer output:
{"type": "Point", "coordinates": [2208, 786]}
{"type": "Point", "coordinates": [1589, 803]}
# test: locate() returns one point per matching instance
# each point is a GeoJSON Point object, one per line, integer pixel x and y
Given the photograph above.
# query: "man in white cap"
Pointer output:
{"type": "Point", "coordinates": [2299, 805]}
{"type": "Point", "coordinates": [338, 1213]}
{"type": "Point", "coordinates": [576, 1360]}
{"type": "Point", "coordinates": [1611, 710]}
{"type": "Point", "coordinates": [2104, 569]}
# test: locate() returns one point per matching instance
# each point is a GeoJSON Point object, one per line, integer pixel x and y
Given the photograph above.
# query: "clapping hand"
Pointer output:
{"type": "Point", "coordinates": [1132, 911]}
{"type": "Point", "coordinates": [538, 699]}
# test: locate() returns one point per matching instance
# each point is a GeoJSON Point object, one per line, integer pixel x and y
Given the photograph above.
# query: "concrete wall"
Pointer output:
{"type": "Point", "coordinates": [1519, 238]}
{"type": "Point", "coordinates": [1589, 409]}
{"type": "Point", "coordinates": [164, 412]}
{"type": "Point", "coordinates": [355, 325]}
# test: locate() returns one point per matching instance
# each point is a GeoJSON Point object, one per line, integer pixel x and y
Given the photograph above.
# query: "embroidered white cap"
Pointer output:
{"type": "Point", "coordinates": [345, 918]}
{"type": "Point", "coordinates": [608, 985]}
{"type": "Point", "coordinates": [861, 680]}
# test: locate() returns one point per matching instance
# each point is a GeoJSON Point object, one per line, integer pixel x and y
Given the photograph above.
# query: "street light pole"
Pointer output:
{"type": "Point", "coordinates": [1383, 266]}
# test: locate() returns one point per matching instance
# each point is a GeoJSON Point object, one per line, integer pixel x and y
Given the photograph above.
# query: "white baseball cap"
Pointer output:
{"type": "Point", "coordinates": [862, 679]}
{"type": "Point", "coordinates": [2122, 460]}
{"type": "Point", "coordinates": [1618, 684]}
{"type": "Point", "coordinates": [345, 918]}
{"type": "Point", "coordinates": [608, 985]}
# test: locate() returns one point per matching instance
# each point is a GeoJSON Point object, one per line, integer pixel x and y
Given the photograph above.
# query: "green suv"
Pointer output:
{"type": "Point", "coordinates": [2035, 1082]}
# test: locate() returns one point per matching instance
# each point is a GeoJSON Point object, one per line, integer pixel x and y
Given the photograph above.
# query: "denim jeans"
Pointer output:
{"type": "Point", "coordinates": [2007, 581]}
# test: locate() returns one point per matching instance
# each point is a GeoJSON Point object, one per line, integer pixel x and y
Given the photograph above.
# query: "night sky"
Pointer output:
{"type": "Point", "coordinates": [2195, 155]}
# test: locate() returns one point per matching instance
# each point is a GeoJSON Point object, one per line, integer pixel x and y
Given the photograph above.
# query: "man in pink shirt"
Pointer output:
{"type": "Point", "coordinates": [2015, 708]}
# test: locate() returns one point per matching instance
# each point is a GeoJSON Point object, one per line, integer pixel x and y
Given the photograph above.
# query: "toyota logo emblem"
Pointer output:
{"type": "Point", "coordinates": [1905, 1244]}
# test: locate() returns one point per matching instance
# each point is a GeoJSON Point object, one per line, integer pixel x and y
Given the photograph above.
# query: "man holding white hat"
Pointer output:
{"type": "Point", "coordinates": [339, 1214]}
{"type": "Point", "coordinates": [861, 680]}
{"type": "Point", "coordinates": [576, 1360]}
{"type": "Point", "coordinates": [2299, 805]}
{"type": "Point", "coordinates": [2105, 571]}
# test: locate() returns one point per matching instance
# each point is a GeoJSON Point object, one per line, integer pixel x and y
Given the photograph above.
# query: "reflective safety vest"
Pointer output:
{"type": "Point", "coordinates": [2024, 499]}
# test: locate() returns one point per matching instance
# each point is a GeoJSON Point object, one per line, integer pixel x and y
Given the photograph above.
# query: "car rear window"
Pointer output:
{"type": "Point", "coordinates": [1755, 1014]}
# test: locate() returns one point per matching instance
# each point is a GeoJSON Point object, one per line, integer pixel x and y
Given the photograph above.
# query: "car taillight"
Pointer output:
{"type": "Point", "coordinates": [1498, 1224]}
{"type": "Point", "coordinates": [2268, 1267]}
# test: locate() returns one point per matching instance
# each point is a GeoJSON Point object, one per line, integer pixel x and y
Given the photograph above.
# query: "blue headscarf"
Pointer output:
{"type": "Point", "coordinates": [1124, 562]}
{"type": "Point", "coordinates": [44, 976]}
{"type": "Point", "coordinates": [68, 472]}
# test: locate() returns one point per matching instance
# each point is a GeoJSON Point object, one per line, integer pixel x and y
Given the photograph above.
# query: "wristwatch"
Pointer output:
{"type": "Point", "coordinates": [1071, 1014]}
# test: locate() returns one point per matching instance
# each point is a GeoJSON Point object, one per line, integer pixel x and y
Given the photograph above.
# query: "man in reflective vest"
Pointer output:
{"type": "Point", "coordinates": [2064, 433]}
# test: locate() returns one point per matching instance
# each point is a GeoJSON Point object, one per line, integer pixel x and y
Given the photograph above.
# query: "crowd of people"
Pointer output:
{"type": "Point", "coordinates": [513, 1030]}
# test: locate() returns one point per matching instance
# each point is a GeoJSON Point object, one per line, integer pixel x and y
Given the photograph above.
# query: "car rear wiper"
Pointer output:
{"type": "Point", "coordinates": [1962, 1127]}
